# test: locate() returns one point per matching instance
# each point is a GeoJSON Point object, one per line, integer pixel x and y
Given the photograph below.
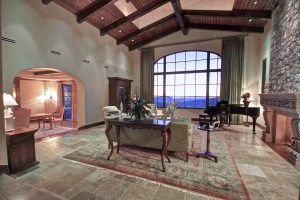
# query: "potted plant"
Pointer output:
{"type": "Point", "coordinates": [138, 109]}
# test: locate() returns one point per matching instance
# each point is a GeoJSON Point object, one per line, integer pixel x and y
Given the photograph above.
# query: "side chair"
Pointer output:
{"type": "Point", "coordinates": [57, 116]}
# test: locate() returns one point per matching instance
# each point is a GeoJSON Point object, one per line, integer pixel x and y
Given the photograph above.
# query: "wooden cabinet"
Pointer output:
{"type": "Point", "coordinates": [119, 91]}
{"type": "Point", "coordinates": [20, 149]}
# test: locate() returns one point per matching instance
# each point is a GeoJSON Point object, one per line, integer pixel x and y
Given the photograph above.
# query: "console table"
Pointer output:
{"type": "Point", "coordinates": [42, 116]}
{"type": "Point", "coordinates": [20, 149]}
{"type": "Point", "coordinates": [156, 124]}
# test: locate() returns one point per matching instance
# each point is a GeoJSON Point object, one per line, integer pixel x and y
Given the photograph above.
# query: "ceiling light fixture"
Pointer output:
{"type": "Point", "coordinates": [132, 40]}
{"type": "Point", "coordinates": [250, 20]}
{"type": "Point", "coordinates": [102, 18]}
{"type": "Point", "coordinates": [120, 31]}
{"type": "Point", "coordinates": [255, 2]}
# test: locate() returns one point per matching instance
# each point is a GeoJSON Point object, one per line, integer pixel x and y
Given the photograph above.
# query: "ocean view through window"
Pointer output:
{"type": "Point", "coordinates": [191, 78]}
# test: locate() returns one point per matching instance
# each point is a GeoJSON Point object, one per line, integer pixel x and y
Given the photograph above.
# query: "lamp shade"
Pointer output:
{"type": "Point", "coordinates": [8, 100]}
{"type": "Point", "coordinates": [251, 98]}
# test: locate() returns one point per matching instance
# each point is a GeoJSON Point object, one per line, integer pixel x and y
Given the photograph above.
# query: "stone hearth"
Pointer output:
{"type": "Point", "coordinates": [282, 120]}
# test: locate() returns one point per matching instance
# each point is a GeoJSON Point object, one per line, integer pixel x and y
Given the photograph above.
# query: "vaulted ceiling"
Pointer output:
{"type": "Point", "coordinates": [136, 23]}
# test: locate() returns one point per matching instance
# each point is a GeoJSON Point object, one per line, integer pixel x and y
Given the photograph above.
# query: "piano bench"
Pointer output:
{"type": "Point", "coordinates": [202, 117]}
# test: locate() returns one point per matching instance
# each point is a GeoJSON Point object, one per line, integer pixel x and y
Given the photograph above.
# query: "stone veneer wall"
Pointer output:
{"type": "Point", "coordinates": [285, 49]}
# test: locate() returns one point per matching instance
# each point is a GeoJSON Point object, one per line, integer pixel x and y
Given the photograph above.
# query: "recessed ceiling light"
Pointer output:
{"type": "Point", "coordinates": [102, 17]}
{"type": "Point", "coordinates": [132, 40]}
{"type": "Point", "coordinates": [250, 20]}
{"type": "Point", "coordinates": [120, 31]}
{"type": "Point", "coordinates": [255, 2]}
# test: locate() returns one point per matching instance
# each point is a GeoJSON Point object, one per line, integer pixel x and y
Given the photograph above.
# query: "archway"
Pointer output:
{"type": "Point", "coordinates": [40, 89]}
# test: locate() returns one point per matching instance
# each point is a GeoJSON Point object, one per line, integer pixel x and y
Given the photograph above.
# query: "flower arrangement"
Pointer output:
{"type": "Point", "coordinates": [246, 98]}
{"type": "Point", "coordinates": [172, 107]}
{"type": "Point", "coordinates": [138, 108]}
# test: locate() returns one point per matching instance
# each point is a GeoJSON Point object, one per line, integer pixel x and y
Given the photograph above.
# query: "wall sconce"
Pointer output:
{"type": "Point", "coordinates": [8, 100]}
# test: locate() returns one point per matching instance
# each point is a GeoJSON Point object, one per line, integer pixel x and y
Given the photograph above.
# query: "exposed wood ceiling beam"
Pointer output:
{"type": "Point", "coordinates": [133, 16]}
{"type": "Point", "coordinates": [146, 28]}
{"type": "Point", "coordinates": [264, 14]}
{"type": "Point", "coordinates": [255, 29]}
{"type": "Point", "coordinates": [46, 2]}
{"type": "Point", "coordinates": [168, 32]}
{"type": "Point", "coordinates": [178, 11]}
{"type": "Point", "coordinates": [83, 14]}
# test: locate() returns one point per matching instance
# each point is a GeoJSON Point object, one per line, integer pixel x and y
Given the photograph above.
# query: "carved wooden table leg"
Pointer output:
{"type": "Point", "coordinates": [168, 142]}
{"type": "Point", "coordinates": [51, 122]}
{"type": "Point", "coordinates": [166, 135]}
{"type": "Point", "coordinates": [164, 148]}
{"type": "Point", "coordinates": [110, 143]}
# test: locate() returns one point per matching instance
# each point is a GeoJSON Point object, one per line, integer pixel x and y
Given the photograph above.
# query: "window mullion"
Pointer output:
{"type": "Point", "coordinates": [164, 84]}
{"type": "Point", "coordinates": [207, 79]}
{"type": "Point", "coordinates": [184, 83]}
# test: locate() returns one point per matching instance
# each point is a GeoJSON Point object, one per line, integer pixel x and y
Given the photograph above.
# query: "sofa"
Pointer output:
{"type": "Point", "coordinates": [181, 141]}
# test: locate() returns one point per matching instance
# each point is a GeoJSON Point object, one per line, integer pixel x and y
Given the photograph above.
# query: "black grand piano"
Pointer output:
{"type": "Point", "coordinates": [236, 109]}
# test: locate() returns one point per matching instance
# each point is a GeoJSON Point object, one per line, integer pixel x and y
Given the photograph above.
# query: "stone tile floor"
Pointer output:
{"type": "Point", "coordinates": [266, 174]}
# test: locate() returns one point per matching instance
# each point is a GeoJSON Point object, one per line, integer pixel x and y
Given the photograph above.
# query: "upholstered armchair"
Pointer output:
{"type": "Point", "coordinates": [110, 110]}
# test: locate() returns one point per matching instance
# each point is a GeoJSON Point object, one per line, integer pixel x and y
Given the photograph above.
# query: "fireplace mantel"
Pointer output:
{"type": "Point", "coordinates": [280, 111]}
{"type": "Point", "coordinates": [289, 103]}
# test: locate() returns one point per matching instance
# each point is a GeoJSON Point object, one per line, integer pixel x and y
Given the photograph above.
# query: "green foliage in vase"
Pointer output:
{"type": "Point", "coordinates": [138, 108]}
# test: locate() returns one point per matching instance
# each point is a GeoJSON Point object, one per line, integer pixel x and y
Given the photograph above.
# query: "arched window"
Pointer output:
{"type": "Point", "coordinates": [191, 78]}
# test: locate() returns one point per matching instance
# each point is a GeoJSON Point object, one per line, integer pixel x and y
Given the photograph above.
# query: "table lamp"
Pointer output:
{"type": "Point", "coordinates": [8, 100]}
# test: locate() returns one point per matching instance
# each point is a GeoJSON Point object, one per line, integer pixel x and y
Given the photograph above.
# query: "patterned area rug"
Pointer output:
{"type": "Point", "coordinates": [47, 132]}
{"type": "Point", "coordinates": [202, 175]}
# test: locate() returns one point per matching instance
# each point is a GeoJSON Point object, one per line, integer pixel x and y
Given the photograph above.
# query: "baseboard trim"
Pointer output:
{"type": "Point", "coordinates": [4, 169]}
{"type": "Point", "coordinates": [91, 125]}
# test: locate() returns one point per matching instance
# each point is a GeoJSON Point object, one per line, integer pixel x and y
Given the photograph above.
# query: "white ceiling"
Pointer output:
{"type": "Point", "coordinates": [29, 75]}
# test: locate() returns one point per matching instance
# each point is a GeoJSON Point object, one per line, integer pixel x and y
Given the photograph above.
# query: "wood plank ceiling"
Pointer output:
{"type": "Point", "coordinates": [246, 16]}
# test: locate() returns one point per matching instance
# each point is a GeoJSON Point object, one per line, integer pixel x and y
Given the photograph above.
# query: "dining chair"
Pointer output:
{"type": "Point", "coordinates": [57, 116]}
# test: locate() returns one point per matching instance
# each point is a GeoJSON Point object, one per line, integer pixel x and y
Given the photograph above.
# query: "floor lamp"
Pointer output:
{"type": "Point", "coordinates": [8, 100]}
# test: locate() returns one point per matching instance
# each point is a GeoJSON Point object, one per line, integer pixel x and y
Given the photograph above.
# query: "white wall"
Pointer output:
{"type": "Point", "coordinates": [50, 100]}
{"type": "Point", "coordinates": [3, 149]}
{"type": "Point", "coordinates": [39, 28]}
{"type": "Point", "coordinates": [32, 95]}
{"type": "Point", "coordinates": [257, 47]}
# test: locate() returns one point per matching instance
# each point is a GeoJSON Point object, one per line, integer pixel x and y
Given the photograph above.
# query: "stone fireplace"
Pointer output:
{"type": "Point", "coordinates": [282, 103]}
{"type": "Point", "coordinates": [281, 112]}
{"type": "Point", "coordinates": [282, 120]}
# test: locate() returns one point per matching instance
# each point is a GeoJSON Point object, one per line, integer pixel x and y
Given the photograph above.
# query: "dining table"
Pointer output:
{"type": "Point", "coordinates": [41, 116]}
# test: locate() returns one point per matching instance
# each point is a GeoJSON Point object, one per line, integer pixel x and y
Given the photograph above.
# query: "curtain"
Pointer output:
{"type": "Point", "coordinates": [147, 75]}
{"type": "Point", "coordinates": [232, 71]}
{"type": "Point", "coordinates": [59, 94]}
{"type": "Point", "coordinates": [74, 102]}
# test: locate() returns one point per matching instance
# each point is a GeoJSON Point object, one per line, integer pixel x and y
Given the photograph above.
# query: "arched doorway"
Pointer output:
{"type": "Point", "coordinates": [41, 90]}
